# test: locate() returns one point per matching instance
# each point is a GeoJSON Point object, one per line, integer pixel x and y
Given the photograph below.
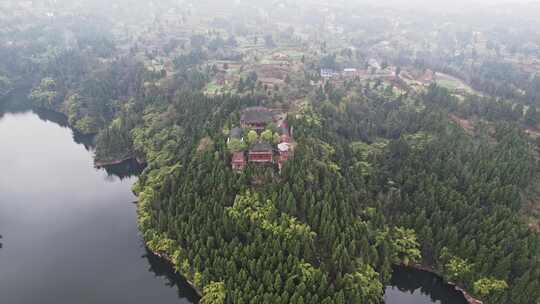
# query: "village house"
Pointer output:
{"type": "Point", "coordinates": [256, 118]}
{"type": "Point", "coordinates": [350, 73]}
{"type": "Point", "coordinates": [261, 152]}
{"type": "Point", "coordinates": [328, 73]}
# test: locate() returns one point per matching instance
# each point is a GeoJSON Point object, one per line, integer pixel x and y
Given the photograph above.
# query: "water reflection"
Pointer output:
{"type": "Point", "coordinates": [162, 268]}
{"type": "Point", "coordinates": [412, 286]}
{"type": "Point", "coordinates": [18, 103]}
{"type": "Point", "coordinates": [69, 230]}
{"type": "Point", "coordinates": [126, 169]}
{"type": "Point", "coordinates": [87, 140]}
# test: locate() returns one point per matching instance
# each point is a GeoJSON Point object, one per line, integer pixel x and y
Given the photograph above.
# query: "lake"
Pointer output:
{"type": "Point", "coordinates": [69, 230]}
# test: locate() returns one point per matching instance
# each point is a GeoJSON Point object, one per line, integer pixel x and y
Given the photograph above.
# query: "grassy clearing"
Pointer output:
{"type": "Point", "coordinates": [213, 89]}
{"type": "Point", "coordinates": [453, 83]}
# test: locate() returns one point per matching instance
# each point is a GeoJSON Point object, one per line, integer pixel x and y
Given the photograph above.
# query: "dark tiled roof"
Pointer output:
{"type": "Point", "coordinates": [236, 133]}
{"type": "Point", "coordinates": [260, 146]}
{"type": "Point", "coordinates": [257, 115]}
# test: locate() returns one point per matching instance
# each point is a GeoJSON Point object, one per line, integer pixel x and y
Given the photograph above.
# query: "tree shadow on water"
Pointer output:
{"type": "Point", "coordinates": [163, 269]}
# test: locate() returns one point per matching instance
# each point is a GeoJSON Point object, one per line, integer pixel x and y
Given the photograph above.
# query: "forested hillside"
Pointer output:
{"type": "Point", "coordinates": [411, 186]}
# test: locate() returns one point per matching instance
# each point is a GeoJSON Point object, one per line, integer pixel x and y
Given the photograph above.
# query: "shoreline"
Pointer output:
{"type": "Point", "coordinates": [169, 260]}
{"type": "Point", "coordinates": [469, 298]}
{"type": "Point", "coordinates": [105, 163]}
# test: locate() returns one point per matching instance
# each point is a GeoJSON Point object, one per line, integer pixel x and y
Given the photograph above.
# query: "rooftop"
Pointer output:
{"type": "Point", "coordinates": [257, 115]}
{"type": "Point", "coordinates": [283, 147]}
{"type": "Point", "coordinates": [260, 146]}
{"type": "Point", "coordinates": [236, 133]}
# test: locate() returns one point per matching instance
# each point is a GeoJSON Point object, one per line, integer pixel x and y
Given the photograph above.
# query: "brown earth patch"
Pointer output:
{"type": "Point", "coordinates": [531, 211]}
{"type": "Point", "coordinates": [466, 124]}
{"type": "Point", "coordinates": [272, 71]}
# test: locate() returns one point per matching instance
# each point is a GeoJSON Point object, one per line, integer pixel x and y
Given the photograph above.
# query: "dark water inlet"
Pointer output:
{"type": "Point", "coordinates": [412, 286]}
{"type": "Point", "coordinates": [69, 230]}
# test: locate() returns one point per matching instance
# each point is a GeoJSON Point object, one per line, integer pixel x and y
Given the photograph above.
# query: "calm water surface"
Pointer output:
{"type": "Point", "coordinates": [410, 286]}
{"type": "Point", "coordinates": [69, 231]}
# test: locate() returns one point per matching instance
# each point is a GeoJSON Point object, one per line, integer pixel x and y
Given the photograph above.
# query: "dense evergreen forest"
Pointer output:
{"type": "Point", "coordinates": [375, 181]}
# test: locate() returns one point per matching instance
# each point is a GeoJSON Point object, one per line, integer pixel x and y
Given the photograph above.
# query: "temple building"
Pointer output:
{"type": "Point", "coordinates": [261, 152]}
{"type": "Point", "coordinates": [256, 118]}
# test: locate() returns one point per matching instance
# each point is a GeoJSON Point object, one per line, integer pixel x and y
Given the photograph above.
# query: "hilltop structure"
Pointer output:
{"type": "Point", "coordinates": [262, 150]}
{"type": "Point", "coordinates": [256, 118]}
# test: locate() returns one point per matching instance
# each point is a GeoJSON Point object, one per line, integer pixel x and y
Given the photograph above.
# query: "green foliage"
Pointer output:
{"type": "Point", "coordinates": [214, 293]}
{"type": "Point", "coordinates": [248, 207]}
{"type": "Point", "coordinates": [45, 94]}
{"type": "Point", "coordinates": [365, 151]}
{"type": "Point", "coordinates": [406, 247]}
{"type": "Point", "coordinates": [418, 140]}
{"type": "Point", "coordinates": [371, 288]}
{"type": "Point", "coordinates": [252, 136]}
{"type": "Point", "coordinates": [79, 117]}
{"type": "Point", "coordinates": [114, 143]}
{"type": "Point", "coordinates": [485, 287]}
{"type": "Point", "coordinates": [267, 136]}
{"type": "Point", "coordinates": [457, 268]}
{"type": "Point", "coordinates": [236, 145]}
{"type": "Point", "coordinates": [276, 139]}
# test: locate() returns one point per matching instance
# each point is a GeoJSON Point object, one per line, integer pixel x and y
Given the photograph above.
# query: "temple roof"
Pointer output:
{"type": "Point", "coordinates": [236, 133]}
{"type": "Point", "coordinates": [260, 146]}
{"type": "Point", "coordinates": [257, 115]}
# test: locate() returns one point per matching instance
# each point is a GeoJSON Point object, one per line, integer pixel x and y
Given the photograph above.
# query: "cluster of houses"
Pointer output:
{"type": "Point", "coordinates": [351, 72]}
{"type": "Point", "coordinates": [261, 151]}
{"type": "Point", "coordinates": [346, 73]}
